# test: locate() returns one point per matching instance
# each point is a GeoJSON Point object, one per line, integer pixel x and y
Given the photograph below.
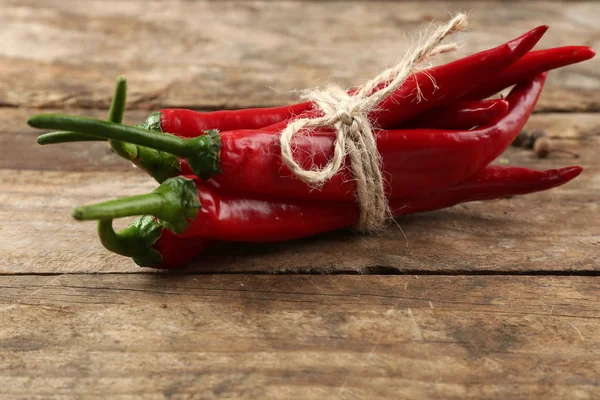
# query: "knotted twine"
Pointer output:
{"type": "Point", "coordinates": [347, 114]}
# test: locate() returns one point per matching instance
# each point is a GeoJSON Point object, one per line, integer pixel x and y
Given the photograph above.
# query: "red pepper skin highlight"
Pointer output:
{"type": "Point", "coordinates": [188, 123]}
{"type": "Point", "coordinates": [227, 216]}
{"type": "Point", "coordinates": [462, 115]}
{"type": "Point", "coordinates": [414, 161]}
{"type": "Point", "coordinates": [532, 64]}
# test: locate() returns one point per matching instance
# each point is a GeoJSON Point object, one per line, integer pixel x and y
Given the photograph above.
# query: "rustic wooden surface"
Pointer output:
{"type": "Point", "coordinates": [300, 337]}
{"type": "Point", "coordinates": [484, 300]}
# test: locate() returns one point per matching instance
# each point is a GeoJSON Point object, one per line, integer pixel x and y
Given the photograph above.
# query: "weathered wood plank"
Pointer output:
{"type": "Point", "coordinates": [139, 334]}
{"type": "Point", "coordinates": [199, 54]}
{"type": "Point", "coordinates": [174, 336]}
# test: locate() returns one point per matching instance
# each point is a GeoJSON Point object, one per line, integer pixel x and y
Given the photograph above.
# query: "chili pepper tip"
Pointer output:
{"type": "Point", "coordinates": [569, 173]}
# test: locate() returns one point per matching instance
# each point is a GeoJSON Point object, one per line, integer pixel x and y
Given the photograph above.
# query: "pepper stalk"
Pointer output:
{"type": "Point", "coordinates": [158, 164]}
{"type": "Point", "coordinates": [201, 153]}
{"type": "Point", "coordinates": [115, 114]}
{"type": "Point", "coordinates": [135, 241]}
{"type": "Point", "coordinates": [174, 202]}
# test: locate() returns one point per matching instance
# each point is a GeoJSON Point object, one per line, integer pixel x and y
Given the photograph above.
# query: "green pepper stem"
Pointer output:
{"type": "Point", "coordinates": [135, 241]}
{"type": "Point", "coordinates": [201, 153]}
{"type": "Point", "coordinates": [159, 164]}
{"type": "Point", "coordinates": [174, 203]}
{"type": "Point", "coordinates": [124, 243]}
{"type": "Point", "coordinates": [67, 137]}
{"type": "Point", "coordinates": [144, 137]}
{"type": "Point", "coordinates": [116, 112]}
{"type": "Point", "coordinates": [117, 105]}
{"type": "Point", "coordinates": [135, 205]}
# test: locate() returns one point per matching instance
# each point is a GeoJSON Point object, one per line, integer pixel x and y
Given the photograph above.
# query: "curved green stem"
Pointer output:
{"type": "Point", "coordinates": [125, 243]}
{"type": "Point", "coordinates": [67, 137]}
{"type": "Point", "coordinates": [116, 112]}
{"type": "Point", "coordinates": [156, 140]}
{"type": "Point", "coordinates": [174, 203]}
{"type": "Point", "coordinates": [117, 105]}
{"type": "Point", "coordinates": [158, 164]}
{"type": "Point", "coordinates": [202, 153]}
{"type": "Point", "coordinates": [134, 241]}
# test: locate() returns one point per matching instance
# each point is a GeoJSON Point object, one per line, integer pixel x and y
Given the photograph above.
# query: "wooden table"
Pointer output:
{"type": "Point", "coordinates": [484, 300]}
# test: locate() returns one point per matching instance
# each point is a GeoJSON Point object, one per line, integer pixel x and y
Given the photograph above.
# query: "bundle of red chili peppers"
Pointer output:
{"type": "Point", "coordinates": [222, 177]}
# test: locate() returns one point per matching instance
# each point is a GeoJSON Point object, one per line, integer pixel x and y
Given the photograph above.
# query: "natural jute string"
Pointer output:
{"type": "Point", "coordinates": [347, 114]}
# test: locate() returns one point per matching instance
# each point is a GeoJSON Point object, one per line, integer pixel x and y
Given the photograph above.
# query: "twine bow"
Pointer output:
{"type": "Point", "coordinates": [347, 114]}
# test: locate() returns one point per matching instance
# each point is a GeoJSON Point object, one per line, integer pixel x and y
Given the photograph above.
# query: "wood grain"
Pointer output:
{"type": "Point", "coordinates": [499, 321]}
{"type": "Point", "coordinates": [216, 336]}
{"type": "Point", "coordinates": [207, 55]}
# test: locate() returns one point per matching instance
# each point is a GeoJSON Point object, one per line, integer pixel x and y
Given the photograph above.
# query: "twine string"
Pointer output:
{"type": "Point", "coordinates": [347, 115]}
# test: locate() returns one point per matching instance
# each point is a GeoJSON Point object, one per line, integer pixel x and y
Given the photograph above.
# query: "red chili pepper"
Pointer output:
{"type": "Point", "coordinates": [462, 115]}
{"type": "Point", "coordinates": [493, 182]}
{"type": "Point", "coordinates": [177, 251]}
{"type": "Point", "coordinates": [529, 66]}
{"type": "Point", "coordinates": [446, 83]}
{"type": "Point", "coordinates": [449, 78]}
{"type": "Point", "coordinates": [443, 84]}
{"type": "Point", "coordinates": [188, 123]}
{"type": "Point", "coordinates": [149, 244]}
{"type": "Point", "coordinates": [414, 161]}
{"type": "Point", "coordinates": [227, 216]}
